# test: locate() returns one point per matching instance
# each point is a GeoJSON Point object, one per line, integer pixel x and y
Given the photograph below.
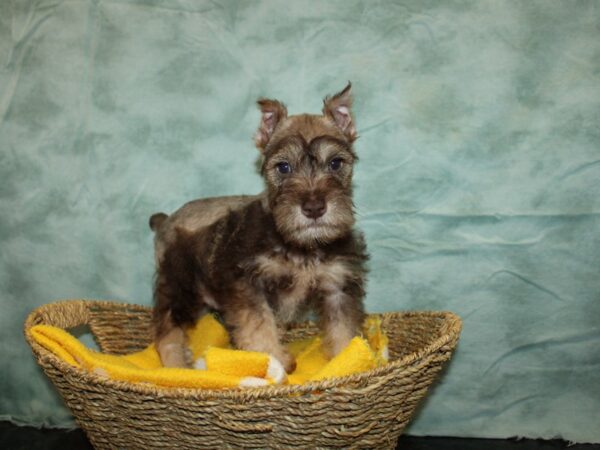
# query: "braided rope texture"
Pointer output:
{"type": "Point", "coordinates": [366, 410]}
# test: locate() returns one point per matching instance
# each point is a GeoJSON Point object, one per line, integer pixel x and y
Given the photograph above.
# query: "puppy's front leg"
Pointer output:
{"type": "Point", "coordinates": [341, 318]}
{"type": "Point", "coordinates": [254, 328]}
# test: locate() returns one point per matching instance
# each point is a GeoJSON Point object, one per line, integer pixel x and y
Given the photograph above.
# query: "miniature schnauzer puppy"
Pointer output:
{"type": "Point", "coordinates": [263, 261]}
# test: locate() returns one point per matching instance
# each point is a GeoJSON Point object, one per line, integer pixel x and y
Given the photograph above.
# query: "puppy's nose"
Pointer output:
{"type": "Point", "coordinates": [314, 208]}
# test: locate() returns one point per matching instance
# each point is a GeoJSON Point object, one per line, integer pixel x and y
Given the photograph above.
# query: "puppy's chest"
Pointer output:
{"type": "Point", "coordinates": [291, 280]}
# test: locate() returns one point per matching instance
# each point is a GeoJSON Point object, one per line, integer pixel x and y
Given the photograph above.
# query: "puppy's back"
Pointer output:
{"type": "Point", "coordinates": [193, 217]}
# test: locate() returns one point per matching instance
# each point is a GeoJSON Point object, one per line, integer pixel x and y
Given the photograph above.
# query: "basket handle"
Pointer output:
{"type": "Point", "coordinates": [64, 314]}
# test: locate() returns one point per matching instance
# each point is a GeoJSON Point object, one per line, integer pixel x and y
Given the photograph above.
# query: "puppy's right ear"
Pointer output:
{"type": "Point", "coordinates": [272, 112]}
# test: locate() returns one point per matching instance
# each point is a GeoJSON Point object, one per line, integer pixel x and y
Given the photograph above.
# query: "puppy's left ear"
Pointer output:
{"type": "Point", "coordinates": [339, 109]}
{"type": "Point", "coordinates": [272, 112]}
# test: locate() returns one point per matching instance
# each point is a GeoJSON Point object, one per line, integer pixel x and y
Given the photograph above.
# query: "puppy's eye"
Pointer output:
{"type": "Point", "coordinates": [336, 164]}
{"type": "Point", "coordinates": [284, 167]}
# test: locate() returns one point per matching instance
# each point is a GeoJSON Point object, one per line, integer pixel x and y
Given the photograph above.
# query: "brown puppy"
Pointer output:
{"type": "Point", "coordinates": [264, 260]}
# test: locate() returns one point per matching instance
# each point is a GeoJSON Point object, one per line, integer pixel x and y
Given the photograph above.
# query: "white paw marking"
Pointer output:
{"type": "Point", "coordinates": [275, 371]}
{"type": "Point", "coordinates": [250, 382]}
{"type": "Point", "coordinates": [200, 364]}
{"type": "Point", "coordinates": [385, 353]}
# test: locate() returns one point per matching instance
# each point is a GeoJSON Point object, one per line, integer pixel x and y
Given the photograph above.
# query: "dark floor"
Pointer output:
{"type": "Point", "coordinates": [13, 437]}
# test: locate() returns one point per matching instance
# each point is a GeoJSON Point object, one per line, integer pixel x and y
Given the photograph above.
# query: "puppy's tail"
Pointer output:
{"type": "Point", "coordinates": [156, 220]}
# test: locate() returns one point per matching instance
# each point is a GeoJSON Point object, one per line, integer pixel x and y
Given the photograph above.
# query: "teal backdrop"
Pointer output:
{"type": "Point", "coordinates": [478, 186]}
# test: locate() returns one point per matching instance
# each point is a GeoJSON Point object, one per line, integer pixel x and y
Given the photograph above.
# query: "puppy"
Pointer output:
{"type": "Point", "coordinates": [263, 261]}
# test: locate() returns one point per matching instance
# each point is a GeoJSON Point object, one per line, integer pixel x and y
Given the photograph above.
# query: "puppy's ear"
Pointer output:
{"type": "Point", "coordinates": [339, 109]}
{"type": "Point", "coordinates": [272, 112]}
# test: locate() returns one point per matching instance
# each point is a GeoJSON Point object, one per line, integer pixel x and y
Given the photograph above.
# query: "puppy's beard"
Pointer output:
{"type": "Point", "coordinates": [297, 228]}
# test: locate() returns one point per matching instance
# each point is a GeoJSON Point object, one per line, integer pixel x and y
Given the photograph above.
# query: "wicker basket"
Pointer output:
{"type": "Point", "coordinates": [367, 410]}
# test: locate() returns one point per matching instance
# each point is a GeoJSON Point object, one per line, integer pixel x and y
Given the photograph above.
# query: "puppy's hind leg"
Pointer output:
{"type": "Point", "coordinates": [178, 304]}
{"type": "Point", "coordinates": [172, 347]}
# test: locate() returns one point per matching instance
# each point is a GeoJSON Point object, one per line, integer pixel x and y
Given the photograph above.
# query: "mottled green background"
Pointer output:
{"type": "Point", "coordinates": [478, 185]}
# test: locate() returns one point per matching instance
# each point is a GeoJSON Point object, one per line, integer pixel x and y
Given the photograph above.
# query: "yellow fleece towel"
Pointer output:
{"type": "Point", "coordinates": [216, 364]}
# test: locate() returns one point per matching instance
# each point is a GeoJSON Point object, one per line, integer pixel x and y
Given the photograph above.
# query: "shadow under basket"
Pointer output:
{"type": "Point", "coordinates": [366, 410]}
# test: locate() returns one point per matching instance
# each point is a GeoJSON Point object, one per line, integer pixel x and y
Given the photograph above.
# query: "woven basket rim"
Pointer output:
{"type": "Point", "coordinates": [379, 375]}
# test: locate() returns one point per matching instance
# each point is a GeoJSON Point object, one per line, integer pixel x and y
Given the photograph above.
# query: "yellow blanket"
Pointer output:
{"type": "Point", "coordinates": [217, 365]}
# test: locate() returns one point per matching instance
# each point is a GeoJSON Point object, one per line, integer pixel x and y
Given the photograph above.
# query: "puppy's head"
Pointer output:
{"type": "Point", "coordinates": [307, 165]}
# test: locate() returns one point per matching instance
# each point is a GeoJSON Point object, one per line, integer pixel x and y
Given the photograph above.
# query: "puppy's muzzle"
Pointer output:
{"type": "Point", "coordinates": [314, 208]}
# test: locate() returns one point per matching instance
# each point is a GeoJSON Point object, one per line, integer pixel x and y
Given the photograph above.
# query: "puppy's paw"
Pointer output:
{"type": "Point", "coordinates": [175, 355]}
{"type": "Point", "coordinates": [189, 357]}
{"type": "Point", "coordinates": [287, 361]}
{"type": "Point", "coordinates": [275, 371]}
{"type": "Point", "coordinates": [334, 345]}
